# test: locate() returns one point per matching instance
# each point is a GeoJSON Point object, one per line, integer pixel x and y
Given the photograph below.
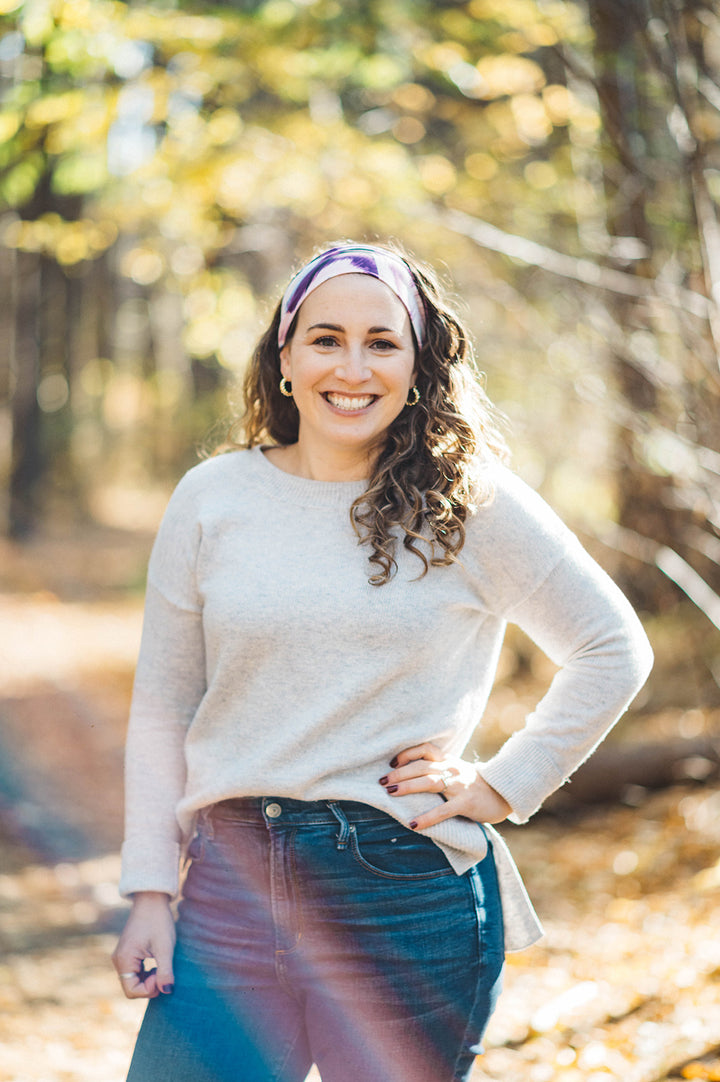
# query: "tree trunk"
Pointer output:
{"type": "Point", "coordinates": [650, 501]}
{"type": "Point", "coordinates": [26, 465]}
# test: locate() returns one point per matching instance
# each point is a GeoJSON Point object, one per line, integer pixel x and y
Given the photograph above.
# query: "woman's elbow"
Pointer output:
{"type": "Point", "coordinates": [639, 659]}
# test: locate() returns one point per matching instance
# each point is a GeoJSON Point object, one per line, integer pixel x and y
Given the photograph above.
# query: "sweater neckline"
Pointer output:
{"type": "Point", "coordinates": [302, 490]}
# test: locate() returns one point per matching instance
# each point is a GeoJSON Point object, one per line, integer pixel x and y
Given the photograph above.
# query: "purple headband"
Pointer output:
{"type": "Point", "coordinates": [354, 259]}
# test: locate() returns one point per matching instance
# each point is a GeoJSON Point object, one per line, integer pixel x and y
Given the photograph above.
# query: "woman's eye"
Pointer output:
{"type": "Point", "coordinates": [325, 341]}
{"type": "Point", "coordinates": [383, 344]}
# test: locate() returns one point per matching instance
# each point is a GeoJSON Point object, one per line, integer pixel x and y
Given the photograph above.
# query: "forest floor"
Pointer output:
{"type": "Point", "coordinates": [624, 986]}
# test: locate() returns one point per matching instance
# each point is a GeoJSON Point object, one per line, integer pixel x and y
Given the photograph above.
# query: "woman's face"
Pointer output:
{"type": "Point", "coordinates": [351, 363]}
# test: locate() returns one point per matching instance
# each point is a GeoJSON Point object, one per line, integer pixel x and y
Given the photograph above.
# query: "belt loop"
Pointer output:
{"type": "Point", "coordinates": [205, 821]}
{"type": "Point", "coordinates": [342, 838]}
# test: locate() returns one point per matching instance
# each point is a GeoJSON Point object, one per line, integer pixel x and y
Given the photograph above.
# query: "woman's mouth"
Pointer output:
{"type": "Point", "coordinates": [349, 403]}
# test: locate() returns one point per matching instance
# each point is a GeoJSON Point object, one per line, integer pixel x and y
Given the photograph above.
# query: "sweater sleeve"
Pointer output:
{"type": "Point", "coordinates": [584, 624]}
{"type": "Point", "coordinates": [169, 685]}
{"type": "Point", "coordinates": [170, 681]}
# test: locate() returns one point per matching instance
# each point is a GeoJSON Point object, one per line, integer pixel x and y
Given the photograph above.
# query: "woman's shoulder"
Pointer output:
{"type": "Point", "coordinates": [206, 487]}
{"type": "Point", "coordinates": [203, 494]}
{"type": "Point", "coordinates": [507, 502]}
{"type": "Point", "coordinates": [222, 463]}
{"type": "Point", "coordinates": [211, 475]}
{"type": "Point", "coordinates": [514, 532]}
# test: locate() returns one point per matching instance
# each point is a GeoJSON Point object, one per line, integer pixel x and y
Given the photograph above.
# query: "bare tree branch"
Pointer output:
{"type": "Point", "coordinates": [584, 271]}
{"type": "Point", "coordinates": [666, 560]}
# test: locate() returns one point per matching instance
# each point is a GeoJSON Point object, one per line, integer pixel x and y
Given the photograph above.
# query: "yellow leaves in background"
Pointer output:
{"type": "Point", "coordinates": [68, 242]}
{"type": "Point", "coordinates": [186, 128]}
{"type": "Point", "coordinates": [534, 24]}
{"type": "Point", "coordinates": [481, 166]}
{"type": "Point", "coordinates": [236, 181]}
{"type": "Point", "coordinates": [224, 126]}
{"type": "Point", "coordinates": [127, 400]}
{"type": "Point", "coordinates": [540, 175]}
{"type": "Point", "coordinates": [382, 71]}
{"type": "Point", "coordinates": [444, 55]}
{"type": "Point", "coordinates": [438, 175]}
{"type": "Point", "coordinates": [408, 130]}
{"type": "Point", "coordinates": [702, 1072]}
{"type": "Point", "coordinates": [220, 319]}
{"type": "Point", "coordinates": [53, 108]}
{"type": "Point", "coordinates": [531, 120]}
{"type": "Point", "coordinates": [142, 22]}
{"type": "Point", "coordinates": [506, 75]}
{"type": "Point", "coordinates": [143, 265]}
{"type": "Point", "coordinates": [9, 125]}
{"type": "Point", "coordinates": [413, 98]}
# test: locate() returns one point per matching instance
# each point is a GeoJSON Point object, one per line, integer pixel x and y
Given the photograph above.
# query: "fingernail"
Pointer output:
{"type": "Point", "coordinates": [391, 789]}
{"type": "Point", "coordinates": [384, 780]}
{"type": "Point", "coordinates": [167, 989]}
{"type": "Point", "coordinates": [413, 824]}
{"type": "Point", "coordinates": [394, 762]}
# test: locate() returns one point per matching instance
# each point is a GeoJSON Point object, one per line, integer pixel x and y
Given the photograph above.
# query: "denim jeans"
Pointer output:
{"type": "Point", "coordinates": [324, 932]}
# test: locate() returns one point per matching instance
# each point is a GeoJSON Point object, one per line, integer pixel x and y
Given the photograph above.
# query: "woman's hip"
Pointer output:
{"type": "Point", "coordinates": [329, 881]}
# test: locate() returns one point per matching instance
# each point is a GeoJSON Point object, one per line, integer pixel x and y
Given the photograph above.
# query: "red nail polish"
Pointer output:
{"type": "Point", "coordinates": [413, 824]}
{"type": "Point", "coordinates": [384, 780]}
{"type": "Point", "coordinates": [391, 789]}
{"type": "Point", "coordinates": [394, 762]}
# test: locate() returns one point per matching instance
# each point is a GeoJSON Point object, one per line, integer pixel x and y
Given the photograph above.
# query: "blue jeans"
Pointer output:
{"type": "Point", "coordinates": [324, 932]}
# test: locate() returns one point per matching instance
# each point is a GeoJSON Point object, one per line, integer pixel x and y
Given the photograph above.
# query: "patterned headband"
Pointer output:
{"type": "Point", "coordinates": [354, 259]}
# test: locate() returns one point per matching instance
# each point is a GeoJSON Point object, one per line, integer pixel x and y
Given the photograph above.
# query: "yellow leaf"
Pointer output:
{"type": "Point", "coordinates": [507, 74]}
{"type": "Point", "coordinates": [54, 107]}
{"type": "Point", "coordinates": [437, 174]}
{"type": "Point", "coordinates": [9, 124]}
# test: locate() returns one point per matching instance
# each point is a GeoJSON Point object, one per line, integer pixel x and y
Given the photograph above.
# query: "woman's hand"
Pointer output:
{"type": "Point", "coordinates": [425, 769]}
{"type": "Point", "coordinates": [148, 934]}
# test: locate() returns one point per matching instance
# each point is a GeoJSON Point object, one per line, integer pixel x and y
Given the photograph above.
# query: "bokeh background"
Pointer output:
{"type": "Point", "coordinates": [163, 168]}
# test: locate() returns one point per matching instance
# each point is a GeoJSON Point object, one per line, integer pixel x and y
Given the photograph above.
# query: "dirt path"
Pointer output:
{"type": "Point", "coordinates": [625, 985]}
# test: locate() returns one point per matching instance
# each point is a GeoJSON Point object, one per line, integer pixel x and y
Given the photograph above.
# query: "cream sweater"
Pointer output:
{"type": "Point", "coordinates": [270, 667]}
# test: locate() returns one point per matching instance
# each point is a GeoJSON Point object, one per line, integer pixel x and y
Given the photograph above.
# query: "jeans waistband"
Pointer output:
{"type": "Point", "coordinates": [282, 811]}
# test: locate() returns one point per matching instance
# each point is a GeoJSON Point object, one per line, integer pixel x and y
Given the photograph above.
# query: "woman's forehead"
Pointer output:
{"type": "Point", "coordinates": [359, 297]}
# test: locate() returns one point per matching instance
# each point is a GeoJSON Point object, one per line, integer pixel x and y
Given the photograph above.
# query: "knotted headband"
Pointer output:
{"type": "Point", "coordinates": [354, 259]}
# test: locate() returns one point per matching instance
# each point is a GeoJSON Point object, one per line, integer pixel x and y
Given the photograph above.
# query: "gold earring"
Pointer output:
{"type": "Point", "coordinates": [286, 388]}
{"type": "Point", "coordinates": [414, 391]}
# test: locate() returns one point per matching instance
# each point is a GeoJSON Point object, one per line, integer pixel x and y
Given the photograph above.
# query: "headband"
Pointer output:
{"type": "Point", "coordinates": [354, 259]}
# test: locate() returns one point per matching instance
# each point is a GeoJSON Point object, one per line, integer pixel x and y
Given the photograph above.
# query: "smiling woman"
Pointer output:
{"type": "Point", "coordinates": [421, 457]}
{"type": "Point", "coordinates": [302, 702]}
{"type": "Point", "coordinates": [351, 362]}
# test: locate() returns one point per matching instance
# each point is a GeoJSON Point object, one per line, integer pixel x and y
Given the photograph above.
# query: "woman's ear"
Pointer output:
{"type": "Point", "coordinates": [285, 366]}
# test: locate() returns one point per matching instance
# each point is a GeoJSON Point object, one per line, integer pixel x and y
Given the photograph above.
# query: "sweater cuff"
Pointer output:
{"type": "Point", "coordinates": [144, 869]}
{"type": "Point", "coordinates": [523, 774]}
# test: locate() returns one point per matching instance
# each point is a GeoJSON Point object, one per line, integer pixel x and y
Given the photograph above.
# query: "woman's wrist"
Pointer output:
{"type": "Point", "coordinates": [499, 808]}
{"type": "Point", "coordinates": [143, 899]}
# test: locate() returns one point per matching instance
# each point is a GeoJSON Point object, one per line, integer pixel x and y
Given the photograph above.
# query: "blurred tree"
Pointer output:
{"type": "Point", "coordinates": [560, 159]}
{"type": "Point", "coordinates": [660, 149]}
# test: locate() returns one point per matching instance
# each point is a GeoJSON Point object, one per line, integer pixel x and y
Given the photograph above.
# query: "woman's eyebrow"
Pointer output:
{"type": "Point", "coordinates": [338, 327]}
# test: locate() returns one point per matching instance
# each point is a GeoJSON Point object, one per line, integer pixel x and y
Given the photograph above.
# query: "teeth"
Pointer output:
{"type": "Point", "coordinates": [351, 405]}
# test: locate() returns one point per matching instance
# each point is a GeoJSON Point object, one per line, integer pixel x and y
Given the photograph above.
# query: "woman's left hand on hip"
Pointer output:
{"type": "Point", "coordinates": [426, 769]}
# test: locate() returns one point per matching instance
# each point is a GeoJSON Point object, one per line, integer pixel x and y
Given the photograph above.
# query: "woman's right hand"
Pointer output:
{"type": "Point", "coordinates": [148, 934]}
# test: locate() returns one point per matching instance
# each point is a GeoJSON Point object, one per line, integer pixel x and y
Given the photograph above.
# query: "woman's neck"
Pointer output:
{"type": "Point", "coordinates": [315, 466]}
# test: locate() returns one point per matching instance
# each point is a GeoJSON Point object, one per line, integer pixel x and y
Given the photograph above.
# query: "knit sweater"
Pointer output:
{"type": "Point", "coordinates": [269, 666]}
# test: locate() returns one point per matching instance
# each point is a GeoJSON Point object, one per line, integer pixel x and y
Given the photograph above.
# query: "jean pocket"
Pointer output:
{"type": "Point", "coordinates": [391, 851]}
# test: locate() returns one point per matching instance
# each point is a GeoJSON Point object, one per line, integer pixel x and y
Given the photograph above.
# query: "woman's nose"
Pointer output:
{"type": "Point", "coordinates": [353, 366]}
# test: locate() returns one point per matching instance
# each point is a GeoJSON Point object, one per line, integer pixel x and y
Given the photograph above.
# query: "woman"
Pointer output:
{"type": "Point", "coordinates": [324, 615]}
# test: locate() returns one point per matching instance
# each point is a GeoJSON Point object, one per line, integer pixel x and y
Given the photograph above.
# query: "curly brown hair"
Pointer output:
{"type": "Point", "coordinates": [425, 481]}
